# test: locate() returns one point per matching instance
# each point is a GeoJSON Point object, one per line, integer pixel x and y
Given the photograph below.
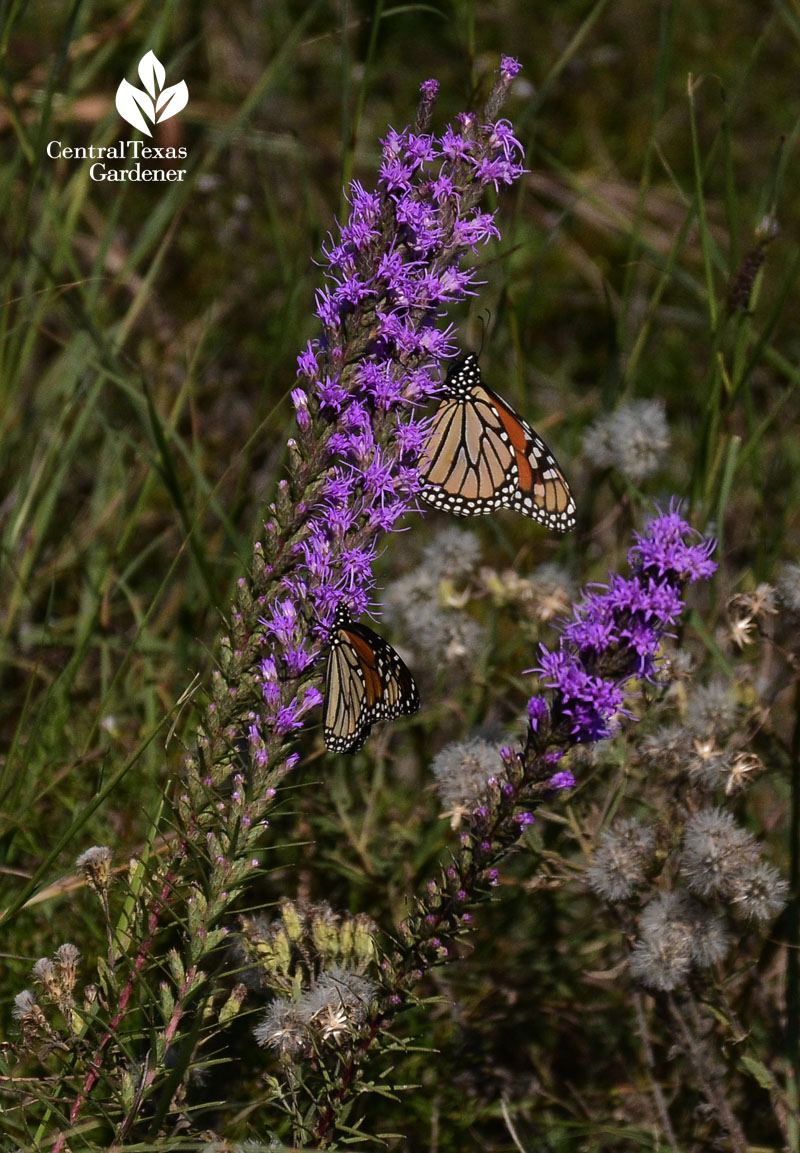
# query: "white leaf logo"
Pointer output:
{"type": "Point", "coordinates": [130, 104]}
{"type": "Point", "coordinates": [157, 103]}
{"type": "Point", "coordinates": [172, 100]}
{"type": "Point", "coordinates": [152, 73]}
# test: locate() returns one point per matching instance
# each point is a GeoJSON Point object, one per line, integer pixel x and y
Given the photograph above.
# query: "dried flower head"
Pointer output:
{"type": "Point", "coordinates": [715, 852]}
{"type": "Point", "coordinates": [676, 933]}
{"type": "Point", "coordinates": [545, 595]}
{"type": "Point", "coordinates": [759, 892]}
{"type": "Point", "coordinates": [634, 439]}
{"type": "Point", "coordinates": [95, 864]}
{"type": "Point", "coordinates": [429, 603]}
{"type": "Point", "coordinates": [282, 1028]}
{"type": "Point", "coordinates": [742, 768]}
{"type": "Point", "coordinates": [461, 770]}
{"type": "Point", "coordinates": [662, 956]}
{"type": "Point", "coordinates": [334, 1006]}
{"type": "Point", "coordinates": [711, 940]}
{"type": "Point", "coordinates": [37, 1032]}
{"type": "Point", "coordinates": [553, 590]}
{"type": "Point", "coordinates": [707, 764]}
{"type": "Point", "coordinates": [746, 609]}
{"type": "Point", "coordinates": [453, 555]}
{"type": "Point", "coordinates": [711, 710]}
{"type": "Point", "coordinates": [677, 665]}
{"type": "Point", "coordinates": [338, 1003]}
{"type": "Point", "coordinates": [621, 860]}
{"type": "Point", "coordinates": [666, 748]}
{"type": "Point", "coordinates": [25, 1006]}
{"type": "Point", "coordinates": [67, 957]}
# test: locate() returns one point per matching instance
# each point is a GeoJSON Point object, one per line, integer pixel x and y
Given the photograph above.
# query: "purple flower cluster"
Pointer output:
{"type": "Point", "coordinates": [615, 633]}
{"type": "Point", "coordinates": [392, 270]}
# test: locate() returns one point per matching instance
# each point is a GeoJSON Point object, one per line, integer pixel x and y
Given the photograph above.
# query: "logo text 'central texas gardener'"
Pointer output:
{"type": "Point", "coordinates": [142, 108]}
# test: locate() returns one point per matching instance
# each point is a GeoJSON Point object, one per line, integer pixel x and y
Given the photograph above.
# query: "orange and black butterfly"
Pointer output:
{"type": "Point", "coordinates": [481, 456]}
{"type": "Point", "coordinates": [366, 681]}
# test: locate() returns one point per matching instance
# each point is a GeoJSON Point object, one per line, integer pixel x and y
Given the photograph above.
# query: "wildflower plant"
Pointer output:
{"type": "Point", "coordinates": [194, 980]}
{"type": "Point", "coordinates": [396, 265]}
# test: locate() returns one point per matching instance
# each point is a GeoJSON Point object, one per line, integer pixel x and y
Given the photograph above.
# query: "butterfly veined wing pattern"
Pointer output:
{"type": "Point", "coordinates": [481, 456]}
{"type": "Point", "coordinates": [365, 681]}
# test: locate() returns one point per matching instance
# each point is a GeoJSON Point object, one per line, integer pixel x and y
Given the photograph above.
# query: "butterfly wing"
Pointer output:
{"type": "Point", "coordinates": [345, 725]}
{"type": "Point", "coordinates": [481, 455]}
{"type": "Point", "coordinates": [366, 681]}
{"type": "Point", "coordinates": [467, 464]}
{"type": "Point", "coordinates": [540, 489]}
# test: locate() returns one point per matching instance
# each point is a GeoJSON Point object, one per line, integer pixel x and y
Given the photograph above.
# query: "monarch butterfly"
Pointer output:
{"type": "Point", "coordinates": [481, 455]}
{"type": "Point", "coordinates": [365, 681]}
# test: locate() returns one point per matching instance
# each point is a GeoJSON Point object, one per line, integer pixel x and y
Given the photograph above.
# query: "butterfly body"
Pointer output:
{"type": "Point", "coordinates": [481, 456]}
{"type": "Point", "coordinates": [365, 681]}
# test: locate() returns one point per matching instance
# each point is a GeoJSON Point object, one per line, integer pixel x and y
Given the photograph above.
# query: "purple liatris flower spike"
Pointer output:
{"type": "Point", "coordinates": [396, 263]}
{"type": "Point", "coordinates": [615, 634]}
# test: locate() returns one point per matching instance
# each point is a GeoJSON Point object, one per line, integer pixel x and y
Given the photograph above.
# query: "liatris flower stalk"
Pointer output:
{"type": "Point", "coordinates": [392, 271]}
{"type": "Point", "coordinates": [614, 637]}
{"type": "Point", "coordinates": [606, 650]}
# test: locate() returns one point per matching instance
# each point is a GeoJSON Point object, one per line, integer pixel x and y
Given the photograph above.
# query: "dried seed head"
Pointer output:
{"type": "Point", "coordinates": [711, 710]}
{"type": "Point", "coordinates": [67, 957]}
{"type": "Point", "coordinates": [337, 1003]}
{"type": "Point", "coordinates": [707, 764]}
{"type": "Point", "coordinates": [333, 1007]}
{"type": "Point", "coordinates": [546, 595]}
{"type": "Point", "coordinates": [676, 933]}
{"type": "Point", "coordinates": [744, 611]}
{"type": "Point", "coordinates": [429, 602]}
{"type": "Point", "coordinates": [46, 974]}
{"type": "Point", "coordinates": [621, 860]}
{"type": "Point", "coordinates": [743, 767]}
{"type": "Point", "coordinates": [462, 770]}
{"type": "Point", "coordinates": [662, 960]}
{"type": "Point", "coordinates": [760, 893]}
{"type": "Point", "coordinates": [667, 748]}
{"type": "Point", "coordinates": [25, 1006]}
{"type": "Point", "coordinates": [715, 852]}
{"type": "Point", "coordinates": [32, 1021]}
{"type": "Point", "coordinates": [634, 439]}
{"type": "Point", "coordinates": [95, 864]}
{"type": "Point", "coordinates": [281, 1028]}
{"type": "Point", "coordinates": [711, 939]}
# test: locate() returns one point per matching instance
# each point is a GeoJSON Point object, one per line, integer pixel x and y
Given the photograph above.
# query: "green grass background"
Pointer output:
{"type": "Point", "coordinates": [148, 338]}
